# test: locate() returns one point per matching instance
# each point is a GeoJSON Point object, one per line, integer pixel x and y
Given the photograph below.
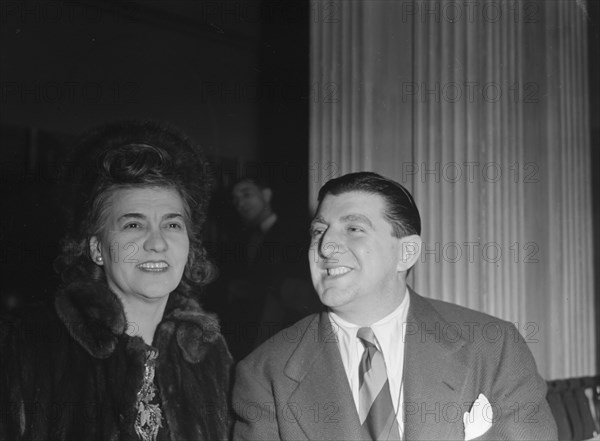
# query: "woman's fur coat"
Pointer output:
{"type": "Point", "coordinates": [74, 373]}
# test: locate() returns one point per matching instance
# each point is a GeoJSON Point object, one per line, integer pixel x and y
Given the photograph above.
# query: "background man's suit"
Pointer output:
{"type": "Point", "coordinates": [294, 386]}
{"type": "Point", "coordinates": [277, 273]}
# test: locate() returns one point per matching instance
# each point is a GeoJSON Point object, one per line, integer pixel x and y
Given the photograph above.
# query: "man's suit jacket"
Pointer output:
{"type": "Point", "coordinates": [294, 386]}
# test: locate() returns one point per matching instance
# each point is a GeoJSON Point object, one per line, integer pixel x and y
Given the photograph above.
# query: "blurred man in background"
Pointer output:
{"type": "Point", "coordinates": [268, 281]}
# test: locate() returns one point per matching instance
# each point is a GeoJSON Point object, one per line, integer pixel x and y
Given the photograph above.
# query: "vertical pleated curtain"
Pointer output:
{"type": "Point", "coordinates": [482, 112]}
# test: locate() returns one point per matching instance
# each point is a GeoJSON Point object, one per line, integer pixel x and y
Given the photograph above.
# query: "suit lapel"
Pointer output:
{"type": "Point", "coordinates": [435, 371]}
{"type": "Point", "coordinates": [435, 374]}
{"type": "Point", "coordinates": [322, 403]}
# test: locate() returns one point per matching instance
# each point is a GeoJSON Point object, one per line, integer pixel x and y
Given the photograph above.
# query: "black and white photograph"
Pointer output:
{"type": "Point", "coordinates": [286, 220]}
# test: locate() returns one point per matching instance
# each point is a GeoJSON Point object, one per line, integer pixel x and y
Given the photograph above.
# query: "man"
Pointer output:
{"type": "Point", "coordinates": [252, 200]}
{"type": "Point", "coordinates": [383, 362]}
{"type": "Point", "coordinates": [269, 285]}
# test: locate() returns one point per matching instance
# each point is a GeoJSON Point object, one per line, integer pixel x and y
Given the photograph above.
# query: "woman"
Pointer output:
{"type": "Point", "coordinates": [127, 353]}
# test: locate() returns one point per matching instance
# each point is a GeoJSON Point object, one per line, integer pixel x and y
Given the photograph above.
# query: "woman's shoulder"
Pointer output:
{"type": "Point", "coordinates": [197, 332]}
{"type": "Point", "coordinates": [34, 327]}
{"type": "Point", "coordinates": [34, 345]}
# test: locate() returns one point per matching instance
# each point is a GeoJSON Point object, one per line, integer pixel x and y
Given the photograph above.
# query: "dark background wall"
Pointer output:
{"type": "Point", "coordinates": [232, 74]}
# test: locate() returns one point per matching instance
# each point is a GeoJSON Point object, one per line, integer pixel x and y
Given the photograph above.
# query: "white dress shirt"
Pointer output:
{"type": "Point", "coordinates": [390, 338]}
{"type": "Point", "coordinates": [266, 224]}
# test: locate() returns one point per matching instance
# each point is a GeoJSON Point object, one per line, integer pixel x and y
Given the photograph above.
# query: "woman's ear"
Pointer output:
{"type": "Point", "coordinates": [95, 251]}
{"type": "Point", "coordinates": [410, 250]}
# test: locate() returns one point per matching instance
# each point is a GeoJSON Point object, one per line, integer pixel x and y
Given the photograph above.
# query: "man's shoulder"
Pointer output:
{"type": "Point", "coordinates": [454, 313]}
{"type": "Point", "coordinates": [459, 325]}
{"type": "Point", "coordinates": [277, 350]}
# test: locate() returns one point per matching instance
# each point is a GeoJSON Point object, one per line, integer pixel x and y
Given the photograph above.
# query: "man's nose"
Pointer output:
{"type": "Point", "coordinates": [330, 245]}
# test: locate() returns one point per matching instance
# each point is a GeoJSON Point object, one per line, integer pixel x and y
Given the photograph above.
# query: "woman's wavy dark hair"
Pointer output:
{"type": "Point", "coordinates": [132, 155]}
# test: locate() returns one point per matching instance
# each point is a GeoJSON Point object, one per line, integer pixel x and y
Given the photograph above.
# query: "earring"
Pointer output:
{"type": "Point", "coordinates": [99, 259]}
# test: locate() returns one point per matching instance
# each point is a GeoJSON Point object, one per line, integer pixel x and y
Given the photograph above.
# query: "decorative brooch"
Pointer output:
{"type": "Point", "coordinates": [149, 416]}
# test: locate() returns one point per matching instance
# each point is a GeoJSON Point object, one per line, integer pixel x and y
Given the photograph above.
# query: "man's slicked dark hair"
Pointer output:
{"type": "Point", "coordinates": [401, 210]}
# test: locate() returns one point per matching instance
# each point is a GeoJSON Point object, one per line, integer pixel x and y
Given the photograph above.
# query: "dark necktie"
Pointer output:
{"type": "Point", "coordinates": [376, 410]}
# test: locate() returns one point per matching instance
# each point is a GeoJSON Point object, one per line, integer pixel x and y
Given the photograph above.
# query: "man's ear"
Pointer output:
{"type": "Point", "coordinates": [267, 194]}
{"type": "Point", "coordinates": [95, 251]}
{"type": "Point", "coordinates": [410, 250]}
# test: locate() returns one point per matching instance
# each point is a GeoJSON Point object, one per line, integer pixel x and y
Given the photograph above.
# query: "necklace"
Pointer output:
{"type": "Point", "coordinates": [149, 416]}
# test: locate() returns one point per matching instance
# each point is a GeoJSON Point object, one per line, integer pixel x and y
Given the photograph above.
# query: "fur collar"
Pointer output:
{"type": "Point", "coordinates": [95, 318]}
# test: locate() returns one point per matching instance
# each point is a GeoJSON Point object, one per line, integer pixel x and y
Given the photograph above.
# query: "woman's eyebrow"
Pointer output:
{"type": "Point", "coordinates": [131, 215]}
{"type": "Point", "coordinates": [169, 216]}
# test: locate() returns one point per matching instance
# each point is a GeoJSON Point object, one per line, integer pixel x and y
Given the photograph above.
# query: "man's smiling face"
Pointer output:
{"type": "Point", "coordinates": [354, 257]}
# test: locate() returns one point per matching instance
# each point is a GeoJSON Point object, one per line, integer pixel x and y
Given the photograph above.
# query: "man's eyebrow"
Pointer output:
{"type": "Point", "coordinates": [357, 218]}
{"type": "Point", "coordinates": [317, 220]}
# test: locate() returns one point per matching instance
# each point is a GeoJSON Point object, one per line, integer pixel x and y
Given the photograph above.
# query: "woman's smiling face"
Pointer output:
{"type": "Point", "coordinates": [144, 243]}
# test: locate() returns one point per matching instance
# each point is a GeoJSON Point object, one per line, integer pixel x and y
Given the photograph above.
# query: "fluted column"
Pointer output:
{"type": "Point", "coordinates": [336, 69]}
{"type": "Point", "coordinates": [570, 272]}
{"type": "Point", "coordinates": [512, 235]}
{"type": "Point", "coordinates": [359, 117]}
{"type": "Point", "coordinates": [471, 172]}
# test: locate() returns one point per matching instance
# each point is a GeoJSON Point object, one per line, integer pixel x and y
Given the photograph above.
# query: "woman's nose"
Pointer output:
{"type": "Point", "coordinates": [155, 242]}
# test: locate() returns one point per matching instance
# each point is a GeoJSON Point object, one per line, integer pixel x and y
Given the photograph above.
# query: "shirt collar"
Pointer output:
{"type": "Point", "coordinates": [266, 224]}
{"type": "Point", "coordinates": [381, 327]}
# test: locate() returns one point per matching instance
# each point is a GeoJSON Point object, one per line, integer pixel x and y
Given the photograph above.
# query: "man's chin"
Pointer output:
{"type": "Point", "coordinates": [334, 297]}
